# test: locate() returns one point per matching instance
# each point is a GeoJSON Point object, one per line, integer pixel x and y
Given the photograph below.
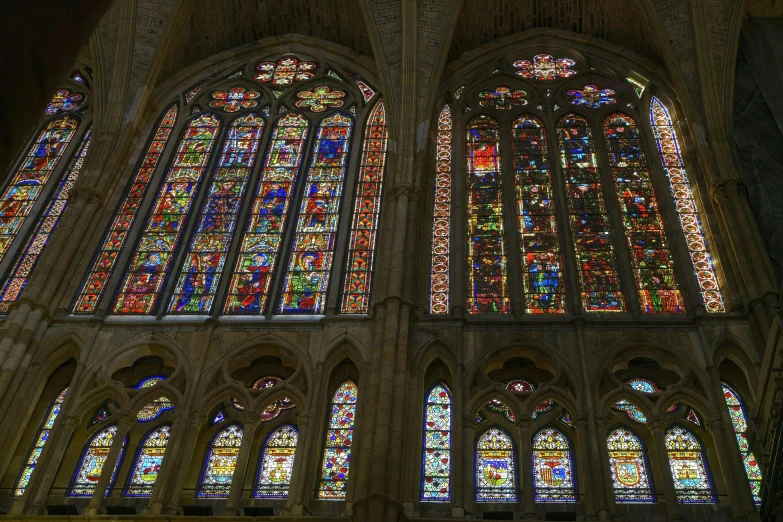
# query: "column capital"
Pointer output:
{"type": "Point", "coordinates": [126, 420]}
{"type": "Point", "coordinates": [726, 186]}
{"type": "Point", "coordinates": [655, 423]}
{"type": "Point", "coordinates": [715, 423]}
{"type": "Point", "coordinates": [197, 419]}
{"type": "Point", "coordinates": [469, 421]}
{"type": "Point", "coordinates": [581, 421]}
{"type": "Point", "coordinates": [250, 418]}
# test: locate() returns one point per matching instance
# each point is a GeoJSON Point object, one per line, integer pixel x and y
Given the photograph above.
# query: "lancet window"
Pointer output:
{"type": "Point", "coordinates": [688, 467]}
{"type": "Point", "coordinates": [220, 462]}
{"type": "Point", "coordinates": [277, 463]}
{"type": "Point", "coordinates": [436, 456]}
{"type": "Point", "coordinates": [553, 468]}
{"type": "Point", "coordinates": [90, 467]}
{"type": "Point", "coordinates": [146, 465]}
{"type": "Point", "coordinates": [739, 421]}
{"type": "Point", "coordinates": [496, 472]}
{"type": "Point", "coordinates": [629, 468]}
{"type": "Point", "coordinates": [333, 475]}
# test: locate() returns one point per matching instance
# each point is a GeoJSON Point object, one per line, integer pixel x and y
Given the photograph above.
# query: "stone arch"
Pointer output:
{"type": "Point", "coordinates": [480, 398]}
{"type": "Point", "coordinates": [435, 347]}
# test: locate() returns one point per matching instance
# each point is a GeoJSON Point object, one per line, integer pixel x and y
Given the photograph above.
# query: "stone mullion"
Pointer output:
{"type": "Point", "coordinates": [250, 422]}
{"type": "Point", "coordinates": [399, 406]}
{"type": "Point", "coordinates": [125, 423]}
{"type": "Point", "coordinates": [179, 430]}
{"type": "Point", "coordinates": [169, 498]}
{"type": "Point", "coordinates": [516, 292]}
{"type": "Point", "coordinates": [299, 471]}
{"type": "Point", "coordinates": [526, 465]}
{"type": "Point", "coordinates": [664, 469]}
{"type": "Point", "coordinates": [458, 262]}
{"type": "Point", "coordinates": [468, 494]}
{"type": "Point", "coordinates": [605, 469]}
{"type": "Point", "coordinates": [591, 492]}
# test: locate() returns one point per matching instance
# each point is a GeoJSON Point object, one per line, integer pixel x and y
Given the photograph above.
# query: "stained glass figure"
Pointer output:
{"type": "Point", "coordinates": [220, 463]}
{"type": "Point", "coordinates": [669, 150]}
{"type": "Point", "coordinates": [154, 252]}
{"type": "Point", "coordinates": [441, 218]}
{"type": "Point", "coordinates": [459, 92]}
{"type": "Point", "coordinates": [102, 413]}
{"type": "Point", "coordinates": [26, 260]}
{"type": "Point", "coordinates": [312, 252]}
{"type": "Point", "coordinates": [637, 86]}
{"type": "Point", "coordinates": [259, 249]}
{"type": "Point", "coordinates": [541, 261]}
{"type": "Point", "coordinates": [739, 421]}
{"type": "Point", "coordinates": [366, 215]}
{"type": "Point", "coordinates": [195, 90]}
{"type": "Point", "coordinates": [553, 470]}
{"type": "Point", "coordinates": [688, 467]}
{"type": "Point", "coordinates": [64, 100]}
{"type": "Point", "coordinates": [628, 463]}
{"type": "Point", "coordinates": [105, 259]}
{"type": "Point", "coordinates": [277, 463]}
{"type": "Point", "coordinates": [88, 473]}
{"type": "Point", "coordinates": [496, 477]}
{"type": "Point", "coordinates": [44, 431]}
{"type": "Point", "coordinates": [234, 99]}
{"type": "Point", "coordinates": [544, 67]}
{"type": "Point", "coordinates": [320, 99]}
{"type": "Point", "coordinates": [591, 96]}
{"type": "Point", "coordinates": [693, 418]}
{"type": "Point", "coordinates": [367, 91]}
{"type": "Point", "coordinates": [436, 455]}
{"type": "Point", "coordinates": [339, 440]}
{"type": "Point", "coordinates": [590, 228]}
{"type": "Point", "coordinates": [502, 98]}
{"type": "Point", "coordinates": [21, 193]}
{"type": "Point", "coordinates": [653, 267]}
{"type": "Point", "coordinates": [286, 71]}
{"type": "Point", "coordinates": [199, 276]}
{"type": "Point", "coordinates": [487, 280]}
{"type": "Point", "coordinates": [148, 460]}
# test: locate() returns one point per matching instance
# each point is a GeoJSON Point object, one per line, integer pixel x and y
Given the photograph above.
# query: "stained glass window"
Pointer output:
{"type": "Point", "coordinates": [591, 96]}
{"type": "Point", "coordinates": [541, 262]}
{"type": "Point", "coordinates": [502, 98]}
{"type": "Point", "coordinates": [154, 409]}
{"type": "Point", "coordinates": [320, 99]}
{"type": "Point", "coordinates": [628, 462]}
{"type": "Point", "coordinates": [366, 214]}
{"type": "Point", "coordinates": [688, 467]}
{"type": "Point", "coordinates": [199, 276]}
{"type": "Point", "coordinates": [102, 413]}
{"type": "Point", "coordinates": [275, 408]}
{"type": "Point", "coordinates": [652, 264]}
{"type": "Point", "coordinates": [739, 420]}
{"type": "Point", "coordinates": [195, 90]}
{"type": "Point", "coordinates": [544, 67]}
{"type": "Point", "coordinates": [63, 101]}
{"type": "Point", "coordinates": [367, 91]}
{"type": "Point", "coordinates": [47, 223]}
{"type": "Point", "coordinates": [152, 257]}
{"type": "Point", "coordinates": [669, 150]}
{"type": "Point", "coordinates": [277, 463]}
{"type": "Point", "coordinates": [693, 418]}
{"type": "Point", "coordinates": [260, 246]}
{"type": "Point", "coordinates": [339, 439]}
{"type": "Point", "coordinates": [496, 477]}
{"type": "Point", "coordinates": [219, 417]}
{"type": "Point", "coordinates": [26, 185]}
{"type": "Point", "coordinates": [553, 470]}
{"type": "Point", "coordinates": [487, 282]}
{"type": "Point", "coordinates": [234, 99]}
{"type": "Point", "coordinates": [436, 456]}
{"type": "Point", "coordinates": [645, 386]}
{"type": "Point", "coordinates": [312, 252]}
{"type": "Point", "coordinates": [590, 228]}
{"type": "Point", "coordinates": [146, 466]}
{"type": "Point", "coordinates": [220, 462]}
{"type": "Point", "coordinates": [88, 473]}
{"type": "Point", "coordinates": [44, 431]}
{"type": "Point", "coordinates": [441, 218]}
{"type": "Point", "coordinates": [287, 70]}
{"type": "Point", "coordinates": [114, 239]}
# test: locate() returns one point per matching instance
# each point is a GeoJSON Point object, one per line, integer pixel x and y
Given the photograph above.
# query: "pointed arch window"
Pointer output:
{"type": "Point", "coordinates": [688, 467]}
{"type": "Point", "coordinates": [146, 465]}
{"type": "Point", "coordinates": [553, 468]}
{"type": "Point", "coordinates": [339, 440]}
{"type": "Point", "coordinates": [436, 457]}
{"type": "Point", "coordinates": [629, 468]}
{"type": "Point", "coordinates": [441, 220]}
{"type": "Point", "coordinates": [277, 463]}
{"type": "Point", "coordinates": [88, 473]}
{"type": "Point", "coordinates": [220, 462]}
{"type": "Point", "coordinates": [44, 431]}
{"type": "Point", "coordinates": [496, 474]}
{"type": "Point", "coordinates": [739, 421]}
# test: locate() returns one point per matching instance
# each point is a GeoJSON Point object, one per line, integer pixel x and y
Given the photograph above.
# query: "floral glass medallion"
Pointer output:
{"type": "Point", "coordinates": [502, 98]}
{"type": "Point", "coordinates": [234, 99]}
{"type": "Point", "coordinates": [591, 96]}
{"type": "Point", "coordinates": [545, 67]}
{"type": "Point", "coordinates": [320, 98]}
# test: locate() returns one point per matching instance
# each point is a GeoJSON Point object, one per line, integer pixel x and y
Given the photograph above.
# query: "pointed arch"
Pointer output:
{"type": "Point", "coordinates": [436, 455]}
{"type": "Point", "coordinates": [333, 475]}
{"type": "Point", "coordinates": [688, 466]}
{"type": "Point", "coordinates": [739, 421]}
{"type": "Point", "coordinates": [277, 463]}
{"type": "Point", "coordinates": [146, 465]}
{"type": "Point", "coordinates": [90, 467]}
{"type": "Point", "coordinates": [553, 467]}
{"type": "Point", "coordinates": [629, 466]}
{"type": "Point", "coordinates": [220, 462]}
{"type": "Point", "coordinates": [496, 472]}
{"type": "Point", "coordinates": [441, 218]}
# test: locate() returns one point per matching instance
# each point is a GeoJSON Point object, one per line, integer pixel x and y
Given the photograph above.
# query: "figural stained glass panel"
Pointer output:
{"type": "Point", "coordinates": [40, 440]}
{"type": "Point", "coordinates": [653, 268]}
{"type": "Point", "coordinates": [260, 247]}
{"type": "Point", "coordinates": [36, 243]}
{"type": "Point", "coordinates": [536, 222]}
{"type": "Point", "coordinates": [487, 281]}
{"type": "Point", "coordinates": [366, 215]}
{"type": "Point", "coordinates": [739, 422]}
{"type": "Point", "coordinates": [105, 260]}
{"type": "Point", "coordinates": [88, 473]}
{"type": "Point", "coordinates": [628, 463]}
{"type": "Point", "coordinates": [496, 478]}
{"type": "Point", "coordinates": [436, 457]}
{"type": "Point", "coordinates": [688, 467]}
{"type": "Point", "coordinates": [441, 218]}
{"type": "Point", "coordinates": [154, 252]}
{"type": "Point", "coordinates": [199, 275]}
{"type": "Point", "coordinates": [553, 470]}
{"type": "Point", "coordinates": [277, 463]}
{"type": "Point", "coordinates": [669, 150]}
{"type": "Point", "coordinates": [22, 191]}
{"type": "Point", "coordinates": [312, 252]}
{"type": "Point", "coordinates": [339, 440]}
{"type": "Point", "coordinates": [148, 460]}
{"type": "Point", "coordinates": [220, 463]}
{"type": "Point", "coordinates": [588, 218]}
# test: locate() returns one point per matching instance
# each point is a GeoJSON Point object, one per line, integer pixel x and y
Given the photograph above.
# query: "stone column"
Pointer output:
{"type": "Point", "coordinates": [468, 464]}
{"type": "Point", "coordinates": [170, 500]}
{"type": "Point", "coordinates": [18, 346]}
{"type": "Point", "coordinates": [737, 489]}
{"type": "Point", "coordinates": [179, 431]}
{"type": "Point", "coordinates": [298, 487]}
{"type": "Point", "coordinates": [589, 489]}
{"type": "Point", "coordinates": [525, 424]}
{"type": "Point", "coordinates": [655, 425]}
{"type": "Point", "coordinates": [124, 424]}
{"type": "Point", "coordinates": [250, 422]}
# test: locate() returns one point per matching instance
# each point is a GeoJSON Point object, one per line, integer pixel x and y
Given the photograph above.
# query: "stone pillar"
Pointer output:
{"type": "Point", "coordinates": [590, 490]}
{"type": "Point", "coordinates": [124, 424]}
{"type": "Point", "coordinates": [170, 500]}
{"type": "Point", "coordinates": [655, 425]}
{"type": "Point", "coordinates": [606, 471]}
{"type": "Point", "coordinates": [12, 357]}
{"type": "Point", "coordinates": [298, 487]}
{"type": "Point", "coordinates": [525, 424]}
{"type": "Point", "coordinates": [179, 431]}
{"type": "Point", "coordinates": [250, 422]}
{"type": "Point", "coordinates": [468, 464]}
{"type": "Point", "coordinates": [737, 489]}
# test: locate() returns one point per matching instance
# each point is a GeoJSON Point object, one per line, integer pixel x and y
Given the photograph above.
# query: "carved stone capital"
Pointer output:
{"type": "Point", "coordinates": [726, 186]}
{"type": "Point", "coordinates": [197, 419]}
{"type": "Point", "coordinates": [126, 420]}
{"type": "Point", "coordinates": [468, 421]}
{"type": "Point", "coordinates": [580, 421]}
{"type": "Point", "coordinates": [715, 423]}
{"type": "Point", "coordinates": [655, 423]}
